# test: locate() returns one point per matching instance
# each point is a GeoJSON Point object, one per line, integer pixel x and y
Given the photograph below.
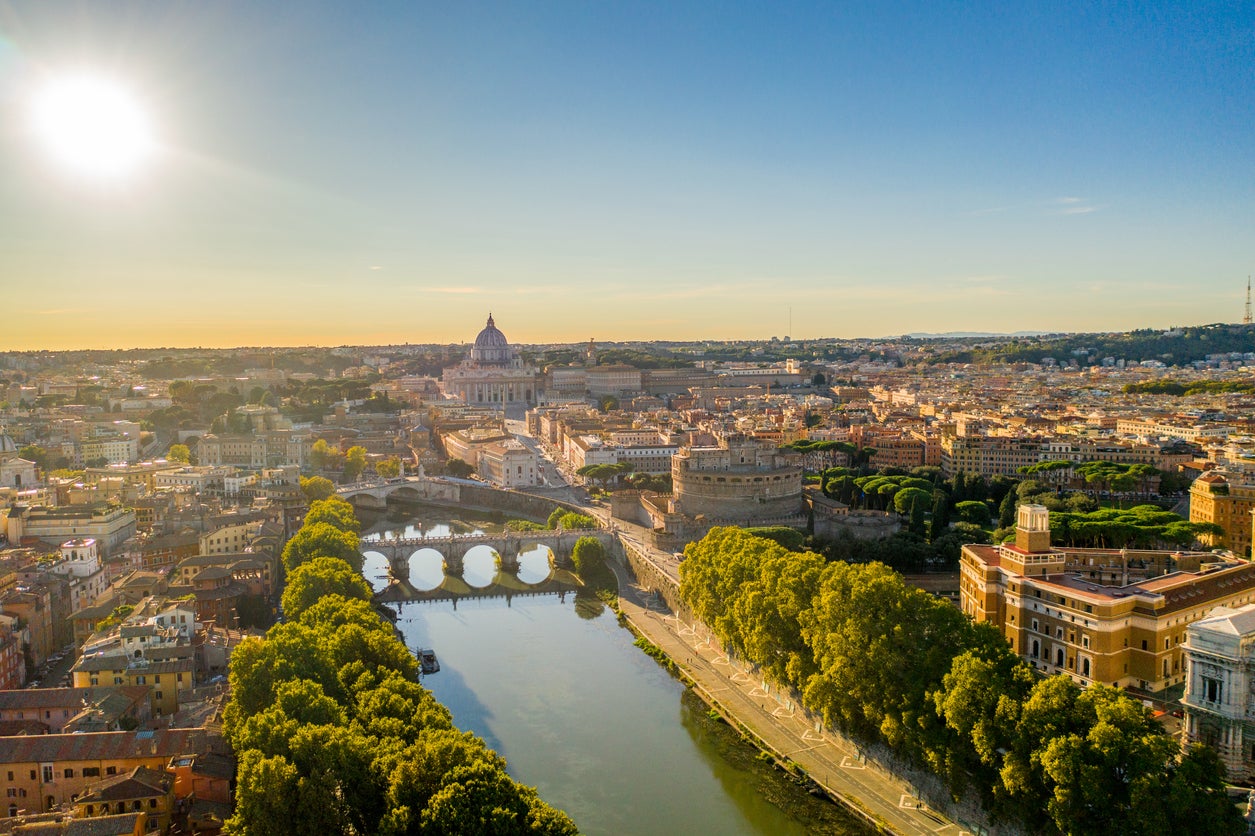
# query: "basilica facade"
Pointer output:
{"type": "Point", "coordinates": [493, 375]}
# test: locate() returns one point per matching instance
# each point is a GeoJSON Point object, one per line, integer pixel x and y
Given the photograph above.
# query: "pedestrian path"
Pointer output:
{"type": "Point", "coordinates": [835, 763]}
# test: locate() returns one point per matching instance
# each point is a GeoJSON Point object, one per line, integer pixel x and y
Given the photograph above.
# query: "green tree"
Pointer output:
{"type": "Point", "coordinates": [317, 487]}
{"type": "Point", "coordinates": [974, 512]}
{"type": "Point", "coordinates": [1006, 511]}
{"type": "Point", "coordinates": [321, 540]}
{"type": "Point", "coordinates": [389, 468]}
{"type": "Point", "coordinates": [318, 578]}
{"type": "Point", "coordinates": [587, 554]}
{"type": "Point", "coordinates": [458, 468]}
{"type": "Point", "coordinates": [334, 511]}
{"type": "Point", "coordinates": [179, 453]}
{"type": "Point", "coordinates": [570, 521]}
{"type": "Point", "coordinates": [354, 463]}
{"type": "Point", "coordinates": [34, 453]}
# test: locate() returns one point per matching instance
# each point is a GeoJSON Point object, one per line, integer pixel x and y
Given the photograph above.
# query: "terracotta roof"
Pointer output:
{"type": "Point", "coordinates": [35, 698]}
{"type": "Point", "coordinates": [95, 746]}
{"type": "Point", "coordinates": [140, 782]}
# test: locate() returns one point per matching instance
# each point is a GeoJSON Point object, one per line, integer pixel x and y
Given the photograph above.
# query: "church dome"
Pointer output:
{"type": "Point", "coordinates": [492, 348]}
{"type": "Point", "coordinates": [6, 444]}
{"type": "Point", "coordinates": [490, 337]}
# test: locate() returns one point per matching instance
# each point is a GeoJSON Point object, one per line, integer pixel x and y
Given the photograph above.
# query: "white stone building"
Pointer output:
{"type": "Point", "coordinates": [1220, 674]}
{"type": "Point", "coordinates": [494, 374]}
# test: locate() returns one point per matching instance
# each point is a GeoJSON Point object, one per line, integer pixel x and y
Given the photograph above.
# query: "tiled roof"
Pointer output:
{"type": "Point", "coordinates": [94, 746]}
{"type": "Point", "coordinates": [140, 782]}
{"type": "Point", "coordinates": [36, 698]}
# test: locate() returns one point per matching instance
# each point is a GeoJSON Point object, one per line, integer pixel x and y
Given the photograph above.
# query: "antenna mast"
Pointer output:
{"type": "Point", "coordinates": [1246, 318]}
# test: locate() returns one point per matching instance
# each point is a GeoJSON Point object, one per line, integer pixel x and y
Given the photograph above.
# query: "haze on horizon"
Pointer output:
{"type": "Point", "coordinates": [331, 174]}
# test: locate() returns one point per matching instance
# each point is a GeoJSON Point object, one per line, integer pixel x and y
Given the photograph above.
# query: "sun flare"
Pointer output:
{"type": "Point", "coordinates": [92, 127]}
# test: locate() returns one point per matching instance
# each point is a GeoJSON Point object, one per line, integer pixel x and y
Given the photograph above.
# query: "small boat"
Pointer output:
{"type": "Point", "coordinates": [427, 661]}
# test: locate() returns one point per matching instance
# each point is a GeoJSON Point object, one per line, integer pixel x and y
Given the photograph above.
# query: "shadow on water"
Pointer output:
{"type": "Point", "coordinates": [449, 686]}
{"type": "Point", "coordinates": [750, 776]}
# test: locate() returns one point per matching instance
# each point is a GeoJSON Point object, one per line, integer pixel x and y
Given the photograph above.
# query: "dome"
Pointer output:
{"type": "Point", "coordinates": [6, 444]}
{"type": "Point", "coordinates": [490, 337]}
{"type": "Point", "coordinates": [492, 348]}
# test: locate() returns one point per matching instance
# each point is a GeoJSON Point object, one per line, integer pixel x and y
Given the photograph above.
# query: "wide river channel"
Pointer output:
{"type": "Point", "coordinates": [556, 686]}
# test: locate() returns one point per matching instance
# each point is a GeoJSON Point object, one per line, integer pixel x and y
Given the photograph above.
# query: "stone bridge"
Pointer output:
{"type": "Point", "coordinates": [454, 493]}
{"type": "Point", "coordinates": [508, 546]}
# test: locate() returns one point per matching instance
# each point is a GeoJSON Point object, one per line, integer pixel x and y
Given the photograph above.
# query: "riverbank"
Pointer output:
{"type": "Point", "coordinates": [777, 725]}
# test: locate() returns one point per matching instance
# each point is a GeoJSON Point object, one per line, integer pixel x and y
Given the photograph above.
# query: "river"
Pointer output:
{"type": "Point", "coordinates": [556, 686]}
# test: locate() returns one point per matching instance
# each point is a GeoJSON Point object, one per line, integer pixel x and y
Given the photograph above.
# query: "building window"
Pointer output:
{"type": "Point", "coordinates": [1059, 657]}
{"type": "Point", "coordinates": [69, 773]}
{"type": "Point", "coordinates": [1213, 689]}
{"type": "Point", "coordinates": [47, 773]}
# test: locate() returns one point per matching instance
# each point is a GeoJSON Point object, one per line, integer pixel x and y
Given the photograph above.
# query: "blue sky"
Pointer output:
{"type": "Point", "coordinates": [390, 172]}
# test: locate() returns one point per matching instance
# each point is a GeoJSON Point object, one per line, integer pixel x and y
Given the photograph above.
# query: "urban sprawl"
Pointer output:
{"type": "Point", "coordinates": [1092, 497]}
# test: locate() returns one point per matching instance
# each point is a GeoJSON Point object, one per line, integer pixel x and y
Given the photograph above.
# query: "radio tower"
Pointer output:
{"type": "Point", "coordinates": [1246, 318]}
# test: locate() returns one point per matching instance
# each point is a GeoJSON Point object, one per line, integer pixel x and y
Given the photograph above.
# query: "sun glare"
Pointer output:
{"type": "Point", "coordinates": [93, 127]}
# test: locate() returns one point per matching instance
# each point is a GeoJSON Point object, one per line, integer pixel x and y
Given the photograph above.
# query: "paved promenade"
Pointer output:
{"type": "Point", "coordinates": [829, 759]}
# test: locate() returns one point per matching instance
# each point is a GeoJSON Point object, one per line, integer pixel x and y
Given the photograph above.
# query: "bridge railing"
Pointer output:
{"type": "Point", "coordinates": [548, 534]}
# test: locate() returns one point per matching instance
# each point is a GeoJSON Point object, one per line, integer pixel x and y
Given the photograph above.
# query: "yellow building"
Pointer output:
{"type": "Point", "coordinates": [1226, 500]}
{"type": "Point", "coordinates": [43, 771]}
{"type": "Point", "coordinates": [1097, 615]}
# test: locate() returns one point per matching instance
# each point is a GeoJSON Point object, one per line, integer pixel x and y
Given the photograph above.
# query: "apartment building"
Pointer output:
{"type": "Point", "coordinates": [1226, 499]}
{"type": "Point", "coordinates": [1097, 615]}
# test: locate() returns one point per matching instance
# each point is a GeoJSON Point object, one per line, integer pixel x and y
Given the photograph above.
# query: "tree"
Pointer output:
{"type": "Point", "coordinates": [974, 512]}
{"type": "Point", "coordinates": [941, 514]}
{"type": "Point", "coordinates": [320, 455]}
{"type": "Point", "coordinates": [354, 463]}
{"type": "Point", "coordinates": [321, 540]}
{"type": "Point", "coordinates": [587, 554]}
{"type": "Point", "coordinates": [389, 468]}
{"type": "Point", "coordinates": [316, 488]}
{"type": "Point", "coordinates": [571, 521]}
{"type": "Point", "coordinates": [319, 578]}
{"type": "Point", "coordinates": [1006, 511]}
{"type": "Point", "coordinates": [334, 511]}
{"type": "Point", "coordinates": [458, 468]}
{"type": "Point", "coordinates": [34, 453]}
{"type": "Point", "coordinates": [179, 453]}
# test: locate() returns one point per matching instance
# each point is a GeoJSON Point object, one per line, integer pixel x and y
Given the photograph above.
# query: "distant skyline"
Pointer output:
{"type": "Point", "coordinates": [385, 173]}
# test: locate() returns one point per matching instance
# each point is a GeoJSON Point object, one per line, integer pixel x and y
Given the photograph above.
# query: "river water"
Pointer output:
{"type": "Point", "coordinates": [556, 686]}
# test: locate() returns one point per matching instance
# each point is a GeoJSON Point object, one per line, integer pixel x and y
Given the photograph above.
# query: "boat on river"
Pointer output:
{"type": "Point", "coordinates": [427, 661]}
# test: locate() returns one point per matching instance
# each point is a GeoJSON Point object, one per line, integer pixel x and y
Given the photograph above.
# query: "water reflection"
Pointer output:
{"type": "Point", "coordinates": [376, 570]}
{"type": "Point", "coordinates": [591, 721]}
{"type": "Point", "coordinates": [535, 565]}
{"type": "Point", "coordinates": [426, 569]}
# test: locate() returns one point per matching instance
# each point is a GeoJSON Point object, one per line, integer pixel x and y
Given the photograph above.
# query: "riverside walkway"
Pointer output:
{"type": "Point", "coordinates": [886, 801]}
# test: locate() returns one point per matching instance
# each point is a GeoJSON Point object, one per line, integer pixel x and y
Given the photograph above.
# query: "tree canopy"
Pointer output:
{"type": "Point", "coordinates": [334, 734]}
{"type": "Point", "coordinates": [887, 662]}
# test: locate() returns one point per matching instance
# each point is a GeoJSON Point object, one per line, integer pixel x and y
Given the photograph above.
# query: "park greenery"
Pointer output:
{"type": "Point", "coordinates": [568, 520]}
{"type": "Point", "coordinates": [1178, 347]}
{"type": "Point", "coordinates": [1188, 387]}
{"type": "Point", "coordinates": [887, 663]}
{"type": "Point", "coordinates": [334, 733]}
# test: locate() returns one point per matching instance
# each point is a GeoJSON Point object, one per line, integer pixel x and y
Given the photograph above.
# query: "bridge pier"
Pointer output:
{"type": "Point", "coordinates": [455, 562]}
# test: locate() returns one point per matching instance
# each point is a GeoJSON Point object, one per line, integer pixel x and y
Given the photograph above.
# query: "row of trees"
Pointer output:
{"type": "Point", "coordinates": [332, 730]}
{"type": "Point", "coordinates": [888, 663]}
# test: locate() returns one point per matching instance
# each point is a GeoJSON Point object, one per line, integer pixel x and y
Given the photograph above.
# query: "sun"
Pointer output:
{"type": "Point", "coordinates": [92, 126]}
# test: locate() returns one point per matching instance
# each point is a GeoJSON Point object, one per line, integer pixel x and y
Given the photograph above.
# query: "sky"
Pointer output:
{"type": "Point", "coordinates": [380, 173]}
